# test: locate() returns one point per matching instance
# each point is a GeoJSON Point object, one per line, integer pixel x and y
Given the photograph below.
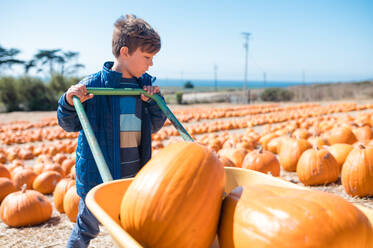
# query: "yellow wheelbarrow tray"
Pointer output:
{"type": "Point", "coordinates": [104, 200]}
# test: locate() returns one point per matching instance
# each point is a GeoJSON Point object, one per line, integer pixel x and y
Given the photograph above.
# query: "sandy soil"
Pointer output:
{"type": "Point", "coordinates": [56, 231]}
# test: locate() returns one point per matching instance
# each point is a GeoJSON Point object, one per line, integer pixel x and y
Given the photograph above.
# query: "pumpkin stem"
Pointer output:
{"type": "Point", "coordinates": [260, 150]}
{"type": "Point", "coordinates": [24, 187]}
{"type": "Point", "coordinates": [361, 146]}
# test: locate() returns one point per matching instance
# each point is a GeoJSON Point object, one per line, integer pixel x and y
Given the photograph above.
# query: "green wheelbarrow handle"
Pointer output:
{"type": "Point", "coordinates": [92, 141]}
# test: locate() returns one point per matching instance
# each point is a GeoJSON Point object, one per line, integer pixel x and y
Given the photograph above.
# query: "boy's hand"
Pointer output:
{"type": "Point", "coordinates": [78, 90]}
{"type": "Point", "coordinates": [151, 90]}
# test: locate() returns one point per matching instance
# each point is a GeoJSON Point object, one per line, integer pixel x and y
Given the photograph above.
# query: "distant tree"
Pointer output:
{"type": "Point", "coordinates": [49, 57]}
{"type": "Point", "coordinates": [276, 95]}
{"type": "Point", "coordinates": [188, 85]}
{"type": "Point", "coordinates": [9, 94]}
{"type": "Point", "coordinates": [28, 65]}
{"type": "Point", "coordinates": [7, 57]}
{"type": "Point", "coordinates": [69, 64]}
{"type": "Point", "coordinates": [66, 61]}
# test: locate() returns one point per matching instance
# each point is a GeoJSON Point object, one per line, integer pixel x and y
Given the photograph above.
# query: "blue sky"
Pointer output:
{"type": "Point", "coordinates": [330, 40]}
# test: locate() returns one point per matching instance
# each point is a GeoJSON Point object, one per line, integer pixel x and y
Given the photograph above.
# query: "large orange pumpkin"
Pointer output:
{"type": "Point", "coordinates": [317, 166]}
{"type": "Point", "coordinates": [59, 193]}
{"type": "Point", "coordinates": [175, 200]}
{"type": "Point", "coordinates": [270, 216]}
{"type": "Point", "coordinates": [357, 172]}
{"type": "Point", "coordinates": [263, 161]}
{"type": "Point", "coordinates": [25, 207]}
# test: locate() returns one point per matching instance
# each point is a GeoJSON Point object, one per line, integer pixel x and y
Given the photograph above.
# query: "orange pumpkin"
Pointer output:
{"type": "Point", "coordinates": [4, 172]}
{"type": "Point", "coordinates": [300, 133]}
{"type": "Point", "coordinates": [357, 172]}
{"type": "Point", "coordinates": [71, 203]}
{"type": "Point", "coordinates": [264, 140]}
{"type": "Point", "coordinates": [340, 153]}
{"type": "Point", "coordinates": [274, 144]}
{"type": "Point", "coordinates": [59, 193]}
{"type": "Point", "coordinates": [236, 155]}
{"type": "Point", "coordinates": [342, 134]}
{"type": "Point", "coordinates": [54, 167]}
{"type": "Point", "coordinates": [263, 161]}
{"type": "Point", "coordinates": [317, 166]}
{"type": "Point", "coordinates": [6, 187]}
{"type": "Point", "coordinates": [174, 201]}
{"type": "Point", "coordinates": [67, 164]}
{"type": "Point", "coordinates": [24, 176]}
{"type": "Point", "coordinates": [290, 152]}
{"type": "Point", "coordinates": [363, 133]}
{"type": "Point", "coordinates": [25, 207]}
{"type": "Point", "coordinates": [270, 216]}
{"type": "Point", "coordinates": [318, 141]}
{"type": "Point", "coordinates": [46, 182]}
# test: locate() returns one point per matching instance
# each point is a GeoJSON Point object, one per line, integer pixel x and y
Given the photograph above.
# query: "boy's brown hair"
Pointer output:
{"type": "Point", "coordinates": [134, 33]}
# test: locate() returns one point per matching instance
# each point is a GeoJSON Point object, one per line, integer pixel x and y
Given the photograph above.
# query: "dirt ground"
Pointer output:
{"type": "Point", "coordinates": [56, 231]}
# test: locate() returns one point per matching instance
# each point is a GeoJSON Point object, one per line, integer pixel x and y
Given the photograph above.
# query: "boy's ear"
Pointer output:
{"type": "Point", "coordinates": [124, 51]}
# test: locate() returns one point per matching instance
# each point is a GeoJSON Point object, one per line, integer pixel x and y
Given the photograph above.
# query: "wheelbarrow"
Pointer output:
{"type": "Point", "coordinates": [104, 200]}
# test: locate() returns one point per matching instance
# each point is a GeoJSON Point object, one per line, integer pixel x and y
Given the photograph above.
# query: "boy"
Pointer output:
{"type": "Point", "coordinates": [123, 125]}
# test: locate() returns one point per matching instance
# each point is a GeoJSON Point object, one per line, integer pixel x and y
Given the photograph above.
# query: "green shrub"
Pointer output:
{"type": "Point", "coordinates": [9, 94]}
{"type": "Point", "coordinates": [179, 97]}
{"type": "Point", "coordinates": [189, 85]}
{"type": "Point", "coordinates": [276, 95]}
{"type": "Point", "coordinates": [36, 95]}
{"type": "Point", "coordinates": [59, 84]}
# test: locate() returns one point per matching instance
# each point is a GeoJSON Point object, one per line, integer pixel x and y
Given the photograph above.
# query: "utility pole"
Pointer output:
{"type": "Point", "coordinates": [264, 79]}
{"type": "Point", "coordinates": [246, 46]}
{"type": "Point", "coordinates": [216, 77]}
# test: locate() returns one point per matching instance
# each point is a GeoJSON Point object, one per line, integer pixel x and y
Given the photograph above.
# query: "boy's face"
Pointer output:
{"type": "Point", "coordinates": [137, 63]}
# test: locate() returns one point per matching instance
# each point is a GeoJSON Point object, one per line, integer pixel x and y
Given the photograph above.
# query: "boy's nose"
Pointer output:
{"type": "Point", "coordinates": [151, 63]}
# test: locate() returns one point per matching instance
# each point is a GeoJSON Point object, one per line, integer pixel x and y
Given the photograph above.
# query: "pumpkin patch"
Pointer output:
{"type": "Point", "coordinates": [42, 156]}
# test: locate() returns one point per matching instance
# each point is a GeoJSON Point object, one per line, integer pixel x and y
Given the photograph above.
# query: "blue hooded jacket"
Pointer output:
{"type": "Point", "coordinates": [103, 115]}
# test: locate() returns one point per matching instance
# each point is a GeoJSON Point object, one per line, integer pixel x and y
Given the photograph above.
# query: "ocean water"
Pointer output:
{"type": "Point", "coordinates": [223, 83]}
